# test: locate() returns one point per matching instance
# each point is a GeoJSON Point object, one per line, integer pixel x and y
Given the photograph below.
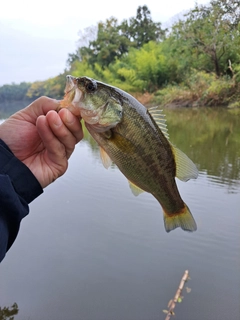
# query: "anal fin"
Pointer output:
{"type": "Point", "coordinates": [135, 189]}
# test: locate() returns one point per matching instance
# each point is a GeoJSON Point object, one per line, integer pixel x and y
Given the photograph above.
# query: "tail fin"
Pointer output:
{"type": "Point", "coordinates": [183, 219]}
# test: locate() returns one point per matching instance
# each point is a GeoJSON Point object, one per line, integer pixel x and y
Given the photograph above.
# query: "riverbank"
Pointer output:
{"type": "Point", "coordinates": [201, 89]}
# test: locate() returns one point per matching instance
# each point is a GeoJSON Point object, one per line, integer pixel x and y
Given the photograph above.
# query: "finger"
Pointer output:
{"type": "Point", "coordinates": [61, 131]}
{"type": "Point", "coordinates": [41, 106]}
{"type": "Point", "coordinates": [55, 149]}
{"type": "Point", "coordinates": [72, 123]}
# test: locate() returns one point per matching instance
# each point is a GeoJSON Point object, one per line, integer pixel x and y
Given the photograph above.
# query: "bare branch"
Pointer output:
{"type": "Point", "coordinates": [172, 303]}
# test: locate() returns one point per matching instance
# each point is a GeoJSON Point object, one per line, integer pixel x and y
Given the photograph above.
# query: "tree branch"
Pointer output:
{"type": "Point", "coordinates": [172, 303]}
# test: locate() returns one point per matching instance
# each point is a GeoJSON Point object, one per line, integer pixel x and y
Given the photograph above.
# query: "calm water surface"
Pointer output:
{"type": "Point", "coordinates": [90, 250]}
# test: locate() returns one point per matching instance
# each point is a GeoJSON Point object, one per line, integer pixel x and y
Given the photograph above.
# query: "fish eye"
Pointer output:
{"type": "Point", "coordinates": [91, 86]}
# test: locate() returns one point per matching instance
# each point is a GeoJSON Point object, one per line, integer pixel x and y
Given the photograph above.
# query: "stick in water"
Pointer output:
{"type": "Point", "coordinates": [172, 303]}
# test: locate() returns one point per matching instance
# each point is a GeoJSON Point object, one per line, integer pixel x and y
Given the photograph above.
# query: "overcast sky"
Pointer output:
{"type": "Point", "coordinates": [36, 36]}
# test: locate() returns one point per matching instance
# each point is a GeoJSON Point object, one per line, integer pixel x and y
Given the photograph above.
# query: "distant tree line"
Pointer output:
{"type": "Point", "coordinates": [200, 49]}
{"type": "Point", "coordinates": [14, 92]}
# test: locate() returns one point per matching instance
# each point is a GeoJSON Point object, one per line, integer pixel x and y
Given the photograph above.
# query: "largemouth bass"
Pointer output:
{"type": "Point", "coordinates": [135, 139]}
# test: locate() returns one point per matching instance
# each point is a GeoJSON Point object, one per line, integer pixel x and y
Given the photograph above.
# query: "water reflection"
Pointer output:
{"type": "Point", "coordinates": [210, 137]}
{"type": "Point", "coordinates": [91, 250]}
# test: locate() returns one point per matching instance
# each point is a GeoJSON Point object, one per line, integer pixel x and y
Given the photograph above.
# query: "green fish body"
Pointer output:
{"type": "Point", "coordinates": [135, 139]}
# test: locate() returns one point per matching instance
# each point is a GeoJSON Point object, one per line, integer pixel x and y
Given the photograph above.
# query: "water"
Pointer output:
{"type": "Point", "coordinates": [90, 250]}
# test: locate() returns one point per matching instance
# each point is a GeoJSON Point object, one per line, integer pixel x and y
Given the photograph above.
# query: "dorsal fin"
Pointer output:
{"type": "Point", "coordinates": [106, 160]}
{"type": "Point", "coordinates": [159, 118]}
{"type": "Point", "coordinates": [185, 168]}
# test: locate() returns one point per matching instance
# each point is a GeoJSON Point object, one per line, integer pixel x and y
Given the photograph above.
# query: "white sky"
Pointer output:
{"type": "Point", "coordinates": [36, 36]}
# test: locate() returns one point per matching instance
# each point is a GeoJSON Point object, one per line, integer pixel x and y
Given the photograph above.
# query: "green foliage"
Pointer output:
{"type": "Point", "coordinates": [196, 63]}
{"type": "Point", "coordinates": [36, 89]}
{"type": "Point", "coordinates": [146, 68]}
{"type": "Point", "coordinates": [8, 313]}
{"type": "Point", "coordinates": [53, 87]}
{"type": "Point", "coordinates": [11, 92]}
{"type": "Point", "coordinates": [13, 97]}
{"type": "Point", "coordinates": [113, 40]}
{"type": "Point", "coordinates": [209, 35]}
{"type": "Point", "coordinates": [198, 89]}
{"type": "Point", "coordinates": [82, 68]}
{"type": "Point", "coordinates": [237, 73]}
{"type": "Point", "coordinates": [141, 29]}
{"type": "Point", "coordinates": [109, 45]}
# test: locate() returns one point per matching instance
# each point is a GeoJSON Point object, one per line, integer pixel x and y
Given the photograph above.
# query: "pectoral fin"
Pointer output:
{"type": "Point", "coordinates": [185, 168]}
{"type": "Point", "coordinates": [106, 160]}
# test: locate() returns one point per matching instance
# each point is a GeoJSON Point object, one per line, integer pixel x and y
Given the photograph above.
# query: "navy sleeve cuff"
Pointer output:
{"type": "Point", "coordinates": [24, 182]}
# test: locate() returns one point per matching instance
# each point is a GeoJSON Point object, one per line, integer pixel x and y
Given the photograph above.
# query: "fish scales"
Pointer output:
{"type": "Point", "coordinates": [130, 136]}
{"type": "Point", "coordinates": [147, 164]}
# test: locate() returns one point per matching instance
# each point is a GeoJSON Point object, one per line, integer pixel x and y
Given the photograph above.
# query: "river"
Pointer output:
{"type": "Point", "coordinates": [90, 250]}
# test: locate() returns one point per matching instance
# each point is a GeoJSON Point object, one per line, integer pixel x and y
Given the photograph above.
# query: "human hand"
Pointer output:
{"type": "Point", "coordinates": [42, 138]}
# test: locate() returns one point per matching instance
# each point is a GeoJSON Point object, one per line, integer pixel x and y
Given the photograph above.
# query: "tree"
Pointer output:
{"type": "Point", "coordinates": [210, 32]}
{"type": "Point", "coordinates": [147, 67]}
{"type": "Point", "coordinates": [82, 53]}
{"type": "Point", "coordinates": [229, 10]}
{"type": "Point", "coordinates": [109, 45]}
{"type": "Point", "coordinates": [8, 313]}
{"type": "Point", "coordinates": [52, 87]}
{"type": "Point", "coordinates": [142, 29]}
{"type": "Point", "coordinates": [36, 90]}
{"type": "Point", "coordinates": [14, 92]}
{"type": "Point", "coordinates": [113, 40]}
{"type": "Point", "coordinates": [100, 45]}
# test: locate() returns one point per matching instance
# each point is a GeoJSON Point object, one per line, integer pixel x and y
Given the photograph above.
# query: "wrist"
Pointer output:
{"type": "Point", "coordinates": [23, 180]}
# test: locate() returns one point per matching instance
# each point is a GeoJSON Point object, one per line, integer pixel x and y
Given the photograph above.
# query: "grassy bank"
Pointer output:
{"type": "Point", "coordinates": [200, 89]}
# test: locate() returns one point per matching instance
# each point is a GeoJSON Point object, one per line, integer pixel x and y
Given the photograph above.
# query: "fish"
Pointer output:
{"type": "Point", "coordinates": [136, 139]}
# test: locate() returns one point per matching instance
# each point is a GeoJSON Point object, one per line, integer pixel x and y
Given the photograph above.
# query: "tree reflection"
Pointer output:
{"type": "Point", "coordinates": [8, 313]}
{"type": "Point", "coordinates": [209, 136]}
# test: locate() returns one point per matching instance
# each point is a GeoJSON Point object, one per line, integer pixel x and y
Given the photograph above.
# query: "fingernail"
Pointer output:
{"type": "Point", "coordinates": [57, 121]}
{"type": "Point", "coordinates": [69, 117]}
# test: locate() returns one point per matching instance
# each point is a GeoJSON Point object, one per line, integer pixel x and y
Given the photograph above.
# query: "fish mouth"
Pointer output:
{"type": "Point", "coordinates": [71, 83]}
{"type": "Point", "coordinates": [72, 92]}
{"type": "Point", "coordinates": [72, 96]}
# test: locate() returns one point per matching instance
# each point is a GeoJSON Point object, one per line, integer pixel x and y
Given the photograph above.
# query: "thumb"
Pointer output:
{"type": "Point", "coordinates": [41, 106]}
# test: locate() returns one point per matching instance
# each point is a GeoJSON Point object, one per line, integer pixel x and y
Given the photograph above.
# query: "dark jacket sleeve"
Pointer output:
{"type": "Point", "coordinates": [18, 187]}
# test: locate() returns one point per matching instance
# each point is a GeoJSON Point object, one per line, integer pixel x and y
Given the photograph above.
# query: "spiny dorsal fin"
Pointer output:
{"type": "Point", "coordinates": [185, 168]}
{"type": "Point", "coordinates": [160, 119]}
{"type": "Point", "coordinates": [106, 160]}
{"type": "Point", "coordinates": [135, 190]}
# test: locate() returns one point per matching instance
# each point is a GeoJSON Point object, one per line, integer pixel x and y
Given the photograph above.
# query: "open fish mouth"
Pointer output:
{"type": "Point", "coordinates": [71, 84]}
{"type": "Point", "coordinates": [72, 96]}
